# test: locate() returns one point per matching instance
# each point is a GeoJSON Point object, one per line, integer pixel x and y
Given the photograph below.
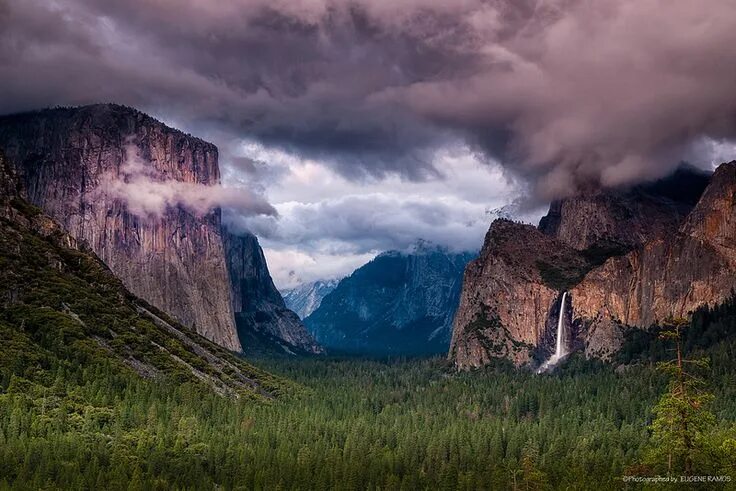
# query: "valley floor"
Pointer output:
{"type": "Point", "coordinates": [348, 424]}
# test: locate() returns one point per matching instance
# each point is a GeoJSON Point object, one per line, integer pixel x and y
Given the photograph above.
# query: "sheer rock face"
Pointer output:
{"type": "Point", "coordinates": [399, 303]}
{"type": "Point", "coordinates": [175, 261]}
{"type": "Point", "coordinates": [628, 260]}
{"type": "Point", "coordinates": [510, 298]}
{"type": "Point", "coordinates": [8, 181]}
{"type": "Point", "coordinates": [260, 312]}
{"type": "Point", "coordinates": [671, 276]}
{"type": "Point", "coordinates": [617, 221]}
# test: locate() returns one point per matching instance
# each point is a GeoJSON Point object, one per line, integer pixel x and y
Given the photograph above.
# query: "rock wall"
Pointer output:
{"type": "Point", "coordinates": [511, 294]}
{"type": "Point", "coordinates": [175, 261]}
{"type": "Point", "coordinates": [674, 275]}
{"type": "Point", "coordinates": [260, 312]}
{"type": "Point", "coordinates": [628, 259]}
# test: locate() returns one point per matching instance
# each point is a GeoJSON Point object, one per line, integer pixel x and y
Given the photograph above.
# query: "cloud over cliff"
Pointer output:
{"type": "Point", "coordinates": [146, 193]}
{"type": "Point", "coordinates": [560, 91]}
{"type": "Point", "coordinates": [346, 114]}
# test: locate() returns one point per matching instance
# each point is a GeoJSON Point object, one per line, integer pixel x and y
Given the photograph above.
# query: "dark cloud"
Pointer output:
{"type": "Point", "coordinates": [562, 91]}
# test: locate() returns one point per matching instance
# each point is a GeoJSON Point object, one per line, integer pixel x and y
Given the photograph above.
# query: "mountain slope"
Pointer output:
{"type": "Point", "coordinates": [307, 297]}
{"type": "Point", "coordinates": [62, 309]}
{"type": "Point", "coordinates": [396, 304]}
{"type": "Point", "coordinates": [175, 260]}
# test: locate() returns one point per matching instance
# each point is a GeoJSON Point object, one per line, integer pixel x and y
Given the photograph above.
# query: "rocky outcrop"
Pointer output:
{"type": "Point", "coordinates": [670, 276]}
{"type": "Point", "coordinates": [52, 284]}
{"type": "Point", "coordinates": [263, 320]}
{"type": "Point", "coordinates": [511, 294]}
{"type": "Point", "coordinates": [628, 259]}
{"type": "Point", "coordinates": [8, 180]}
{"type": "Point", "coordinates": [399, 303]}
{"type": "Point", "coordinates": [10, 188]}
{"type": "Point", "coordinates": [616, 221]}
{"type": "Point", "coordinates": [176, 258]}
{"type": "Point", "coordinates": [174, 261]}
{"type": "Point", "coordinates": [307, 297]}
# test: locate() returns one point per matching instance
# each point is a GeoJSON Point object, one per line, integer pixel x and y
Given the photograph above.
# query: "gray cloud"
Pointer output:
{"type": "Point", "coordinates": [147, 193]}
{"type": "Point", "coordinates": [361, 224]}
{"type": "Point", "coordinates": [562, 92]}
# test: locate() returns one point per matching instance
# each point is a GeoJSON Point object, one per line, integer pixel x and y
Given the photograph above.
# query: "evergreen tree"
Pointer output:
{"type": "Point", "coordinates": [682, 414]}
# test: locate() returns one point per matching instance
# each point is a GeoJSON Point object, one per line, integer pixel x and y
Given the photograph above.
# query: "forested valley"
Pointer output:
{"type": "Point", "coordinates": [365, 424]}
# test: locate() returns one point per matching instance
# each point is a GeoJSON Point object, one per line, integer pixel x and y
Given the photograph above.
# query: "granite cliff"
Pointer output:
{"type": "Point", "coordinates": [174, 259]}
{"type": "Point", "coordinates": [668, 276]}
{"type": "Point", "coordinates": [615, 221]}
{"type": "Point", "coordinates": [627, 258]}
{"type": "Point", "coordinates": [61, 306]}
{"type": "Point", "coordinates": [511, 294]}
{"type": "Point", "coordinates": [264, 322]}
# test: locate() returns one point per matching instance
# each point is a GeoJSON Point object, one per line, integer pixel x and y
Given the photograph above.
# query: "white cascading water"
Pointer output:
{"type": "Point", "coordinates": [560, 350]}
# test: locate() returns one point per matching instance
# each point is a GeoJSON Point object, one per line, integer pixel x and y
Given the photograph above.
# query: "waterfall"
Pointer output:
{"type": "Point", "coordinates": [560, 345]}
{"type": "Point", "coordinates": [560, 350]}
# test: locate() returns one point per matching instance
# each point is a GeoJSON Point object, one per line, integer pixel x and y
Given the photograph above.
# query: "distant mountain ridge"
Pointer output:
{"type": "Point", "coordinates": [307, 297]}
{"type": "Point", "coordinates": [398, 303]}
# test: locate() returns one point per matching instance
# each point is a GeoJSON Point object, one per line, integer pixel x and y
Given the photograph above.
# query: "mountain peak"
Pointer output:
{"type": "Point", "coordinates": [307, 297]}
{"type": "Point", "coordinates": [422, 246]}
{"type": "Point", "coordinates": [398, 303]}
{"type": "Point", "coordinates": [713, 218]}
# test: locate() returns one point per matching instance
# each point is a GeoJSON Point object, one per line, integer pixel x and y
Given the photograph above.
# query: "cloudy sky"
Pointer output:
{"type": "Point", "coordinates": [369, 124]}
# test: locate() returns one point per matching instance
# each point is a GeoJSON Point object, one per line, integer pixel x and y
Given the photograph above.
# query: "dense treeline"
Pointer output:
{"type": "Point", "coordinates": [355, 425]}
{"type": "Point", "coordinates": [359, 424]}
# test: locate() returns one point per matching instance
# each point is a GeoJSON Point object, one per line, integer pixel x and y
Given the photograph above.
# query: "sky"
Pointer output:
{"type": "Point", "coordinates": [352, 127]}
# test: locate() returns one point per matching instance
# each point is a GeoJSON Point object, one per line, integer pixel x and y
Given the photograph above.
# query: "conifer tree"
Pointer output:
{"type": "Point", "coordinates": [681, 415]}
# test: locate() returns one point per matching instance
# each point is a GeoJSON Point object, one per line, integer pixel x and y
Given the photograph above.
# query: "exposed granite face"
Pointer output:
{"type": "Point", "coordinates": [10, 188]}
{"type": "Point", "coordinates": [672, 276]}
{"type": "Point", "coordinates": [602, 337]}
{"type": "Point", "coordinates": [615, 221]}
{"type": "Point", "coordinates": [632, 259]}
{"type": "Point", "coordinates": [36, 253]}
{"type": "Point", "coordinates": [9, 185]}
{"type": "Point", "coordinates": [398, 303]}
{"type": "Point", "coordinates": [511, 295]}
{"type": "Point", "coordinates": [714, 218]}
{"type": "Point", "coordinates": [260, 312]}
{"type": "Point", "coordinates": [176, 261]}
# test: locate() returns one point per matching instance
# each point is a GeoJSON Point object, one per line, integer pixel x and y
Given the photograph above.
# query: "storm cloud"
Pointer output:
{"type": "Point", "coordinates": [328, 224]}
{"type": "Point", "coordinates": [561, 92]}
